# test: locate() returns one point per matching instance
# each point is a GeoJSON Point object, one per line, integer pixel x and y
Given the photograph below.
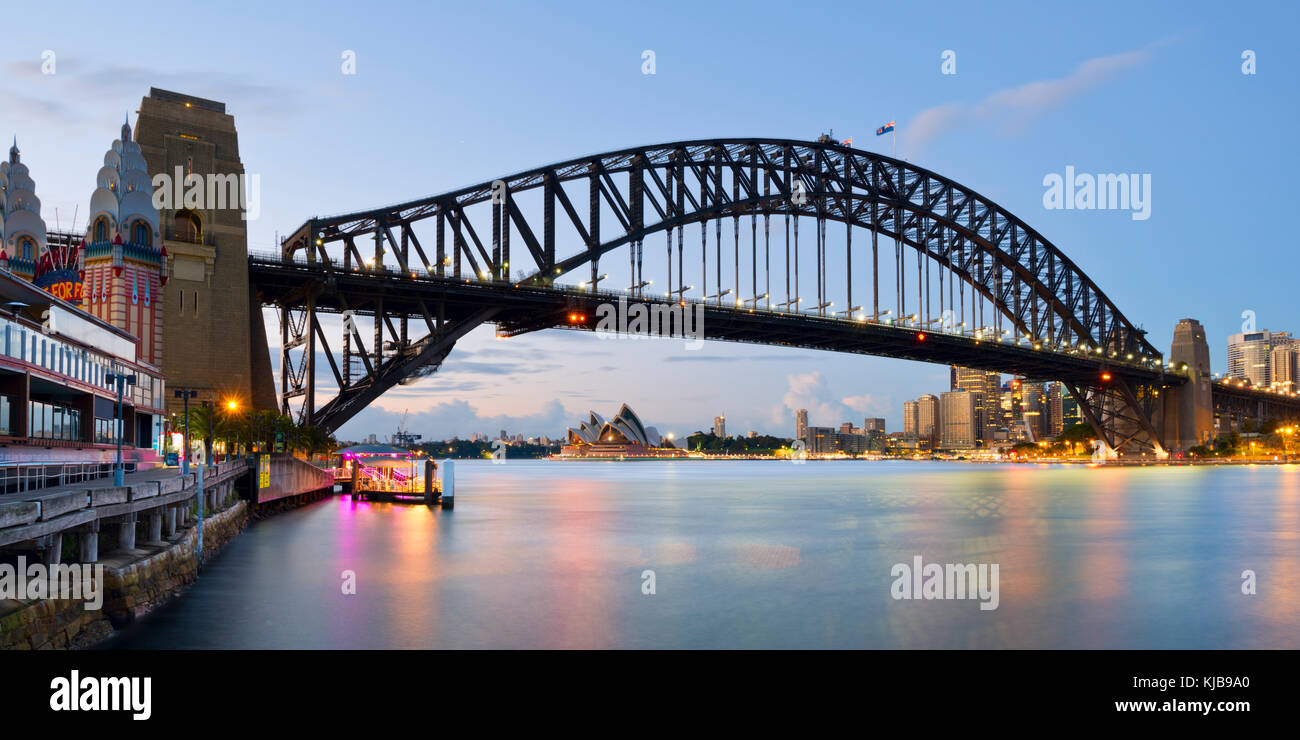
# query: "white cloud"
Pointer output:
{"type": "Point", "coordinates": [1016, 107]}
{"type": "Point", "coordinates": [813, 392]}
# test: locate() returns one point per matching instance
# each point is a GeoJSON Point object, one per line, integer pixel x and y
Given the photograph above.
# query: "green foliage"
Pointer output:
{"type": "Point", "coordinates": [256, 430]}
{"type": "Point", "coordinates": [1227, 444]}
{"type": "Point", "coordinates": [1077, 434]}
{"type": "Point", "coordinates": [708, 442]}
{"type": "Point", "coordinates": [463, 449]}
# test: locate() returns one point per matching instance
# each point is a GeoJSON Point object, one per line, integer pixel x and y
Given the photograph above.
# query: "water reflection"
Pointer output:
{"type": "Point", "coordinates": [765, 554]}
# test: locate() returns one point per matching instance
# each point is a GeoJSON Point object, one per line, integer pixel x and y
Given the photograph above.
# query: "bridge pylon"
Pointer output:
{"type": "Point", "coordinates": [1187, 417]}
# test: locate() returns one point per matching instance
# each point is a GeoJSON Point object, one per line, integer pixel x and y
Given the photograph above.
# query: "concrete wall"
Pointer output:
{"type": "Point", "coordinates": [289, 477]}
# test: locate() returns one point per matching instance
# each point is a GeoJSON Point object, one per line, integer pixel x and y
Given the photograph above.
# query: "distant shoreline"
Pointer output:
{"type": "Point", "coordinates": [1046, 461]}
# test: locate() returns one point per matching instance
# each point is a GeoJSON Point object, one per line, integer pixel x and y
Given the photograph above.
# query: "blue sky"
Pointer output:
{"type": "Point", "coordinates": [448, 95]}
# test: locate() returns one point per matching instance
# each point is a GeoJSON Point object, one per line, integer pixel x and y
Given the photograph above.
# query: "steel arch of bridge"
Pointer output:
{"type": "Point", "coordinates": [1027, 281]}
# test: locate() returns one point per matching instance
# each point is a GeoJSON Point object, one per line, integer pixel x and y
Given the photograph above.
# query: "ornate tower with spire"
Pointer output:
{"type": "Point", "coordinates": [123, 260]}
{"type": "Point", "coordinates": [21, 227]}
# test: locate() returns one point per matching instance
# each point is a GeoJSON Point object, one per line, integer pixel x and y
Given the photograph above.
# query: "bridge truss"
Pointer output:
{"type": "Point", "coordinates": [951, 261]}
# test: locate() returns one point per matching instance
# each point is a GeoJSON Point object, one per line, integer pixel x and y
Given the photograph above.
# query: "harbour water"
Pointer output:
{"type": "Point", "coordinates": [758, 554]}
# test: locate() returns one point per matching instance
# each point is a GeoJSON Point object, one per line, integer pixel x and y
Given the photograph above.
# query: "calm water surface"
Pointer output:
{"type": "Point", "coordinates": [756, 554]}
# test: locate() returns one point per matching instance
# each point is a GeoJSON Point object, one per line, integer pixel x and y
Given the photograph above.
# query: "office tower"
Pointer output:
{"type": "Point", "coordinates": [1248, 355]}
{"type": "Point", "coordinates": [801, 424]}
{"type": "Point", "coordinates": [928, 416]}
{"type": "Point", "coordinates": [910, 419]}
{"type": "Point", "coordinates": [720, 426]}
{"type": "Point", "coordinates": [821, 440]}
{"type": "Point", "coordinates": [1070, 414]}
{"type": "Point", "coordinates": [1282, 367]}
{"type": "Point", "coordinates": [1056, 411]}
{"type": "Point", "coordinates": [846, 428]}
{"type": "Point", "coordinates": [959, 415]}
{"type": "Point", "coordinates": [873, 424]}
{"type": "Point", "coordinates": [1033, 406]}
{"type": "Point", "coordinates": [988, 405]}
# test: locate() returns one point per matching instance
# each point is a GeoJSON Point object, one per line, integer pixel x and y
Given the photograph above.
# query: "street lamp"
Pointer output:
{"type": "Point", "coordinates": [187, 394]}
{"type": "Point", "coordinates": [119, 381]}
{"type": "Point", "coordinates": [232, 408]}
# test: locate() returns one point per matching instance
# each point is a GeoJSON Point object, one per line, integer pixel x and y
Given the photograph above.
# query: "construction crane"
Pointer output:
{"type": "Point", "coordinates": [403, 438]}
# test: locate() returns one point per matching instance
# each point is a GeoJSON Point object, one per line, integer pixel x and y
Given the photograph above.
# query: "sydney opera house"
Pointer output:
{"type": "Point", "coordinates": [623, 436]}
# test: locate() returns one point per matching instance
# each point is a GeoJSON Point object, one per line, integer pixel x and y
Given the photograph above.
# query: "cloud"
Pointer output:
{"type": "Point", "coordinates": [80, 91]}
{"type": "Point", "coordinates": [811, 391]}
{"type": "Point", "coordinates": [1016, 107]}
{"type": "Point", "coordinates": [459, 418]}
{"type": "Point", "coordinates": [738, 358]}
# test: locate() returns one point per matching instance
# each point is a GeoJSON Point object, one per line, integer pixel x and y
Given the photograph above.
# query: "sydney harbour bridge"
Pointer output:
{"type": "Point", "coordinates": [759, 234]}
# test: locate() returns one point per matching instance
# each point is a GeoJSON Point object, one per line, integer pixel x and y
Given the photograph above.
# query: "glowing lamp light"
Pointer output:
{"type": "Point", "coordinates": [1105, 377]}
{"type": "Point", "coordinates": [920, 336]}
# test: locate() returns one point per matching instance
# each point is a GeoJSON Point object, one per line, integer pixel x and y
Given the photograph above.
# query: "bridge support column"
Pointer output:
{"type": "Point", "coordinates": [126, 533]}
{"type": "Point", "coordinates": [88, 543]}
{"type": "Point", "coordinates": [51, 549]}
{"type": "Point", "coordinates": [155, 525]}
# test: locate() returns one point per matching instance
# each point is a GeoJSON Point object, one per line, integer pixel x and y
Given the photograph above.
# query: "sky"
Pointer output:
{"type": "Point", "coordinates": [447, 95]}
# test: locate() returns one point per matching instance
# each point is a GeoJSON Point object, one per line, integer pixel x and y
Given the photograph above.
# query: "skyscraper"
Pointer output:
{"type": "Point", "coordinates": [720, 426]}
{"type": "Point", "coordinates": [1033, 408]}
{"type": "Point", "coordinates": [801, 424]}
{"type": "Point", "coordinates": [873, 424]}
{"type": "Point", "coordinates": [1056, 409]}
{"type": "Point", "coordinates": [910, 419]}
{"type": "Point", "coordinates": [1070, 414]}
{"type": "Point", "coordinates": [1248, 355]}
{"type": "Point", "coordinates": [959, 414]}
{"type": "Point", "coordinates": [987, 385]}
{"type": "Point", "coordinates": [1282, 366]}
{"type": "Point", "coordinates": [928, 416]}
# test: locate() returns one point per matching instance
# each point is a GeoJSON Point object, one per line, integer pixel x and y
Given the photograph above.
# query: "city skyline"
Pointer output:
{"type": "Point", "coordinates": [1026, 121]}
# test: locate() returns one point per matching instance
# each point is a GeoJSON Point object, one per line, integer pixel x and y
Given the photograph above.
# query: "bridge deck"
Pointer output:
{"type": "Point", "coordinates": [529, 308]}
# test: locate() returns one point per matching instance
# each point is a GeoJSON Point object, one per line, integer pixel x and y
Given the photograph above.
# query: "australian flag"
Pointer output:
{"type": "Point", "coordinates": [885, 129]}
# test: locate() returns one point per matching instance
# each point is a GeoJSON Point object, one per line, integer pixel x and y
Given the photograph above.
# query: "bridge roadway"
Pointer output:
{"type": "Point", "coordinates": [516, 308]}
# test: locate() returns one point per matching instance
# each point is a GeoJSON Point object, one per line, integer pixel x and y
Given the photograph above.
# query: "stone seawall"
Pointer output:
{"type": "Point", "coordinates": [131, 590]}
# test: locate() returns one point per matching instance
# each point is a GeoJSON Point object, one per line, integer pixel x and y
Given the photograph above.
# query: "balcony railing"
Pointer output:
{"type": "Point", "coordinates": [187, 238]}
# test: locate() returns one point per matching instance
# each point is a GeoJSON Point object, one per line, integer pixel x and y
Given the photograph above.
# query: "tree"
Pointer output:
{"type": "Point", "coordinates": [1025, 449]}
{"type": "Point", "coordinates": [1081, 433]}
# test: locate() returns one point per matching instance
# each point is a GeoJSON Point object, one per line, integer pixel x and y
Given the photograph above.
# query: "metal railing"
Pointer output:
{"type": "Point", "coordinates": [21, 477]}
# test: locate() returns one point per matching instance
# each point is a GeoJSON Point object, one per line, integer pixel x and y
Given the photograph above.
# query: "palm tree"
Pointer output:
{"type": "Point", "coordinates": [199, 420]}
